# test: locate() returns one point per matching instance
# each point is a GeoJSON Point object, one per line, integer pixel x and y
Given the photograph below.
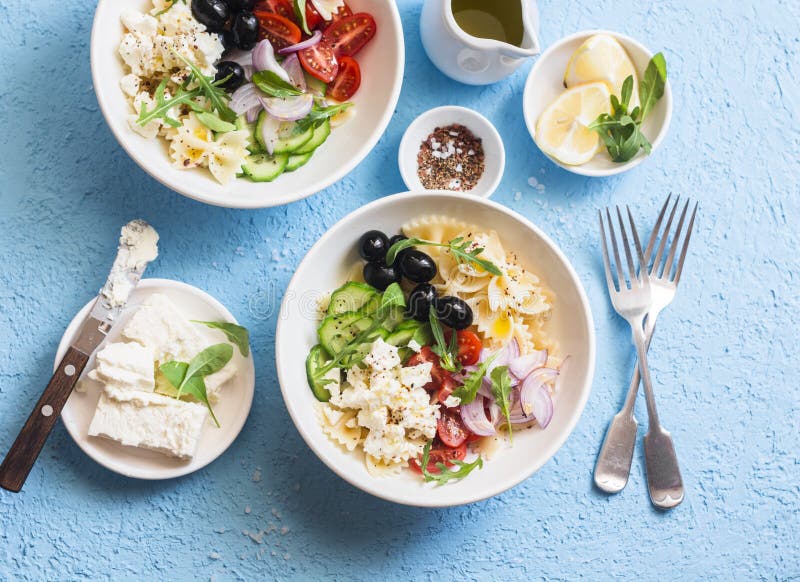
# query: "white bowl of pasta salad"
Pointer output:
{"type": "Point", "coordinates": [435, 350]}
{"type": "Point", "coordinates": [244, 103]}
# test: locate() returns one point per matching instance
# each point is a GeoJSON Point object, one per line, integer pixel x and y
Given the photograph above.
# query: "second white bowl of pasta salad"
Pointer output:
{"type": "Point", "coordinates": [244, 104]}
{"type": "Point", "coordinates": [435, 350]}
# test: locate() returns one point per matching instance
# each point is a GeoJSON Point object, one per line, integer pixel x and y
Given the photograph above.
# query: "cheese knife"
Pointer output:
{"type": "Point", "coordinates": [138, 245]}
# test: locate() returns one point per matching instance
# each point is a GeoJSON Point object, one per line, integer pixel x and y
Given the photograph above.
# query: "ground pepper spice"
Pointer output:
{"type": "Point", "coordinates": [450, 158]}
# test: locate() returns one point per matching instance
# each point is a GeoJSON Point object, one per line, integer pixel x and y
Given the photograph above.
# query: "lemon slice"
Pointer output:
{"type": "Point", "coordinates": [602, 58]}
{"type": "Point", "coordinates": [562, 130]}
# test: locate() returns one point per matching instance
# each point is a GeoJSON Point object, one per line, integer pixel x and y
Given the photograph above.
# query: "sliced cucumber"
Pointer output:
{"type": "Point", "coordinates": [352, 296]}
{"type": "Point", "coordinates": [265, 168]}
{"type": "Point", "coordinates": [336, 331]}
{"type": "Point", "coordinates": [321, 133]}
{"type": "Point", "coordinates": [315, 85]}
{"type": "Point", "coordinates": [298, 160]}
{"type": "Point", "coordinates": [254, 145]}
{"type": "Point", "coordinates": [401, 337]}
{"type": "Point", "coordinates": [291, 138]}
{"type": "Point", "coordinates": [314, 362]}
{"type": "Point", "coordinates": [395, 317]}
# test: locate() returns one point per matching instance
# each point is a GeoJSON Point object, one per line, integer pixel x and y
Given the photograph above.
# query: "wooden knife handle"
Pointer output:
{"type": "Point", "coordinates": [25, 450]}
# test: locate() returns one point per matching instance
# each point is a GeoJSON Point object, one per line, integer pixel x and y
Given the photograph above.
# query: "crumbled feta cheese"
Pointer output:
{"type": "Point", "coordinates": [383, 356]}
{"type": "Point", "coordinates": [452, 401]}
{"type": "Point", "coordinates": [416, 376]}
{"type": "Point", "coordinates": [414, 346]}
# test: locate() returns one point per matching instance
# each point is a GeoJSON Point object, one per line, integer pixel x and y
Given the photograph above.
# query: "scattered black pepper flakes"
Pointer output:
{"type": "Point", "coordinates": [450, 158]}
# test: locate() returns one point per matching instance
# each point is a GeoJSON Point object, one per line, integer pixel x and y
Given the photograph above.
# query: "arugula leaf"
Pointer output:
{"type": "Point", "coordinates": [501, 388]}
{"type": "Point", "coordinates": [236, 334]}
{"type": "Point", "coordinates": [210, 360]}
{"type": "Point", "coordinates": [320, 114]}
{"type": "Point", "coordinates": [175, 372]}
{"type": "Point", "coordinates": [457, 247]}
{"type": "Point", "coordinates": [270, 83]}
{"type": "Point", "coordinates": [300, 13]}
{"type": "Point", "coordinates": [393, 297]}
{"type": "Point", "coordinates": [620, 130]}
{"type": "Point", "coordinates": [164, 104]}
{"type": "Point", "coordinates": [447, 353]}
{"type": "Point", "coordinates": [651, 88]}
{"type": "Point", "coordinates": [469, 389]}
{"type": "Point", "coordinates": [214, 123]}
{"type": "Point", "coordinates": [210, 89]}
{"type": "Point", "coordinates": [446, 474]}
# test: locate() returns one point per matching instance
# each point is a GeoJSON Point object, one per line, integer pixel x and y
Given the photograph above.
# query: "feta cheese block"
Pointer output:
{"type": "Point", "coordinates": [149, 420]}
{"type": "Point", "coordinates": [127, 366]}
{"type": "Point", "coordinates": [159, 324]}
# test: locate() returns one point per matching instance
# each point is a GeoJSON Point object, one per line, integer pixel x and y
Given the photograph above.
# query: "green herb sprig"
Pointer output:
{"type": "Point", "coordinates": [620, 130]}
{"type": "Point", "coordinates": [270, 83]}
{"type": "Point", "coordinates": [458, 247]}
{"type": "Point", "coordinates": [472, 383]}
{"type": "Point", "coordinates": [189, 378]}
{"type": "Point", "coordinates": [501, 388]}
{"type": "Point", "coordinates": [164, 104]}
{"type": "Point", "coordinates": [319, 114]}
{"type": "Point", "coordinates": [212, 90]}
{"type": "Point", "coordinates": [236, 334]}
{"type": "Point", "coordinates": [447, 351]}
{"type": "Point", "coordinates": [446, 474]}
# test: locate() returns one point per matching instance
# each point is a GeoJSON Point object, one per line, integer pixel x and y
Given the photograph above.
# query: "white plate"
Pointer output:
{"type": "Point", "coordinates": [327, 266]}
{"type": "Point", "coordinates": [382, 63]}
{"type": "Point", "coordinates": [425, 124]}
{"type": "Point", "coordinates": [231, 410]}
{"type": "Point", "coordinates": [546, 82]}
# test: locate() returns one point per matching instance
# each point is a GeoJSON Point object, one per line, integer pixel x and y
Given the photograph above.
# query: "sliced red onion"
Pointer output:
{"type": "Point", "coordinates": [269, 133]}
{"type": "Point", "coordinates": [244, 58]}
{"type": "Point", "coordinates": [245, 98]}
{"type": "Point", "coordinates": [289, 109]}
{"type": "Point", "coordinates": [524, 365]}
{"type": "Point", "coordinates": [248, 72]}
{"type": "Point", "coordinates": [264, 60]}
{"type": "Point", "coordinates": [494, 413]}
{"type": "Point", "coordinates": [535, 398]}
{"type": "Point", "coordinates": [252, 114]}
{"type": "Point", "coordinates": [474, 417]}
{"type": "Point", "coordinates": [294, 69]}
{"type": "Point", "coordinates": [308, 43]}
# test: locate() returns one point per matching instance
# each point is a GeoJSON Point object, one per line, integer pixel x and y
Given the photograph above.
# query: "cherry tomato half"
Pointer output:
{"type": "Point", "coordinates": [469, 347]}
{"type": "Point", "coordinates": [347, 81]}
{"type": "Point", "coordinates": [438, 374]}
{"type": "Point", "coordinates": [279, 30]}
{"type": "Point", "coordinates": [349, 35]}
{"type": "Point", "coordinates": [313, 19]}
{"type": "Point", "coordinates": [447, 385]}
{"type": "Point", "coordinates": [451, 429]}
{"type": "Point", "coordinates": [440, 454]}
{"type": "Point", "coordinates": [280, 7]}
{"type": "Point", "coordinates": [319, 61]}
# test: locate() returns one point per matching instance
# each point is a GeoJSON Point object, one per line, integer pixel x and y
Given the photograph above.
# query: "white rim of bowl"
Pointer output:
{"type": "Point", "coordinates": [577, 411]}
{"type": "Point", "coordinates": [531, 123]}
{"type": "Point", "coordinates": [245, 204]}
{"type": "Point", "coordinates": [481, 120]}
{"type": "Point", "coordinates": [146, 284]}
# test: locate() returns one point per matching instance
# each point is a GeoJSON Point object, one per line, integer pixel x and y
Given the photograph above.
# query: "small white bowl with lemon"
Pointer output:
{"type": "Point", "coordinates": [571, 85]}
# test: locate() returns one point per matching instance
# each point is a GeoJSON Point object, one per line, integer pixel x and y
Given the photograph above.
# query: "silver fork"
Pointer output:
{"type": "Point", "coordinates": [614, 461]}
{"type": "Point", "coordinates": [634, 302]}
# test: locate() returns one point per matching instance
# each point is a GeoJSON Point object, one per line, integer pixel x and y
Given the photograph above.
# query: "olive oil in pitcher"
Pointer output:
{"type": "Point", "coordinates": [493, 19]}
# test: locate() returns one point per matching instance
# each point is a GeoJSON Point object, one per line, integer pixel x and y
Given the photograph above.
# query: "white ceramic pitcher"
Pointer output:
{"type": "Point", "coordinates": [470, 59]}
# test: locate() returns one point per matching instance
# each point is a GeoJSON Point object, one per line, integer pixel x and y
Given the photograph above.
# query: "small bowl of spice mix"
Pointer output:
{"type": "Point", "coordinates": [452, 148]}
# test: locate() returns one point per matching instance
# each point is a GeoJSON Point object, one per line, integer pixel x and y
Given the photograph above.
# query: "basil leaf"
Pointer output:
{"type": "Point", "coordinates": [236, 334]}
{"type": "Point", "coordinates": [651, 88]}
{"type": "Point", "coordinates": [175, 373]}
{"type": "Point", "coordinates": [214, 123]}
{"type": "Point", "coordinates": [501, 388]}
{"type": "Point", "coordinates": [627, 91]}
{"type": "Point", "coordinates": [210, 360]}
{"type": "Point", "coordinates": [393, 297]}
{"type": "Point", "coordinates": [270, 83]}
{"type": "Point", "coordinates": [320, 114]}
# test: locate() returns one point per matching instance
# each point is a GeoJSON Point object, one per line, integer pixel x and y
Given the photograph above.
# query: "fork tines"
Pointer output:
{"type": "Point", "coordinates": [634, 277]}
{"type": "Point", "coordinates": [661, 267]}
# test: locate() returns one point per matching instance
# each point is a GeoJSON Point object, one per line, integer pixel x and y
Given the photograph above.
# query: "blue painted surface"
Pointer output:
{"type": "Point", "coordinates": [725, 357]}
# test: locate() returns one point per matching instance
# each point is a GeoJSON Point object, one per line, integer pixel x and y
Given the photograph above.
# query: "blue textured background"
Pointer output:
{"type": "Point", "coordinates": [725, 358]}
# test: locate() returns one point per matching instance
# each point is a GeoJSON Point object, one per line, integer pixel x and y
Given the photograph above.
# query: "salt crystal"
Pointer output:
{"type": "Point", "coordinates": [284, 530]}
{"type": "Point", "coordinates": [459, 168]}
{"type": "Point", "coordinates": [453, 133]}
{"type": "Point", "coordinates": [247, 509]}
{"type": "Point", "coordinates": [540, 187]}
{"type": "Point", "coordinates": [214, 556]}
{"type": "Point", "coordinates": [517, 196]}
{"type": "Point", "coordinates": [256, 475]}
{"type": "Point", "coordinates": [532, 181]}
{"type": "Point", "coordinates": [471, 153]}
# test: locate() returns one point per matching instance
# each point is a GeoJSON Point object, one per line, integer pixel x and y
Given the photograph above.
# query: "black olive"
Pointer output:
{"type": "Point", "coordinates": [453, 312]}
{"type": "Point", "coordinates": [380, 275]}
{"type": "Point", "coordinates": [241, 5]}
{"type": "Point", "coordinates": [372, 246]}
{"type": "Point", "coordinates": [226, 37]}
{"type": "Point", "coordinates": [420, 301]}
{"type": "Point", "coordinates": [245, 30]}
{"type": "Point", "coordinates": [213, 14]}
{"type": "Point", "coordinates": [417, 266]}
{"type": "Point", "coordinates": [233, 71]}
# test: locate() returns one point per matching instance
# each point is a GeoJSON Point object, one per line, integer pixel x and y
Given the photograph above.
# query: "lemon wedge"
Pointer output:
{"type": "Point", "coordinates": [562, 130]}
{"type": "Point", "coordinates": [602, 58]}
